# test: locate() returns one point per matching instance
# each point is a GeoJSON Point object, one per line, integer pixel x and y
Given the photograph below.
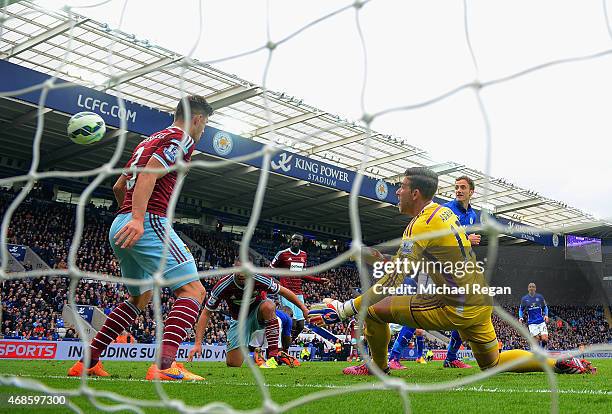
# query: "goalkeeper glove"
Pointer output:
{"type": "Point", "coordinates": [331, 312]}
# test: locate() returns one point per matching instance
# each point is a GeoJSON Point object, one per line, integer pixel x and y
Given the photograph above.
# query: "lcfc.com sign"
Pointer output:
{"type": "Point", "coordinates": [106, 108]}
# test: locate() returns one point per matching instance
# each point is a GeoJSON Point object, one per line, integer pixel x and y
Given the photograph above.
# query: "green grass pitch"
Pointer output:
{"type": "Point", "coordinates": [507, 392]}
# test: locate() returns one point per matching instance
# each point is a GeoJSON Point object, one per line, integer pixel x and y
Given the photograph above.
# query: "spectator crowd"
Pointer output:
{"type": "Point", "coordinates": [32, 307]}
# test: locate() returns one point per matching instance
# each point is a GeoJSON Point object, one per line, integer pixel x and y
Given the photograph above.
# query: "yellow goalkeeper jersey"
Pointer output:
{"type": "Point", "coordinates": [434, 243]}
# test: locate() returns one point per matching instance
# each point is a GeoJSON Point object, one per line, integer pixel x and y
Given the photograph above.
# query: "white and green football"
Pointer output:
{"type": "Point", "coordinates": [85, 128]}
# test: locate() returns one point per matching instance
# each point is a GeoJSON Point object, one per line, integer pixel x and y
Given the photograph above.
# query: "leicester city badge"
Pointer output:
{"type": "Point", "coordinates": [223, 143]}
{"type": "Point", "coordinates": [381, 189]}
{"type": "Point", "coordinates": [555, 240]}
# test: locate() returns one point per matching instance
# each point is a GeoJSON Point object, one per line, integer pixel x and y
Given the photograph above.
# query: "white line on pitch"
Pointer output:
{"type": "Point", "coordinates": [328, 386]}
{"type": "Point", "coordinates": [526, 390]}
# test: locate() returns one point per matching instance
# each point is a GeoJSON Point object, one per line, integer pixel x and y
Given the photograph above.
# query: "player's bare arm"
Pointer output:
{"type": "Point", "coordinates": [129, 235]}
{"type": "Point", "coordinates": [199, 334]}
{"type": "Point", "coordinates": [120, 188]}
{"type": "Point", "coordinates": [474, 239]}
{"type": "Point", "coordinates": [314, 279]}
{"type": "Point", "coordinates": [291, 297]}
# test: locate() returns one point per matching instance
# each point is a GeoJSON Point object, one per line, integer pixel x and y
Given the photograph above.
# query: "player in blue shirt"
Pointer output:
{"type": "Point", "coordinates": [405, 335]}
{"type": "Point", "coordinates": [286, 316]}
{"type": "Point", "coordinates": [286, 323]}
{"type": "Point", "coordinates": [537, 314]}
{"type": "Point", "coordinates": [464, 190]}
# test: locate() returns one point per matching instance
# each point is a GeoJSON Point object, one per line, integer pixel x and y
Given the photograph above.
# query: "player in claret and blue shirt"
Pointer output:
{"type": "Point", "coordinates": [261, 315]}
{"type": "Point", "coordinates": [294, 259]}
{"type": "Point", "coordinates": [137, 238]}
{"type": "Point", "coordinates": [537, 314]}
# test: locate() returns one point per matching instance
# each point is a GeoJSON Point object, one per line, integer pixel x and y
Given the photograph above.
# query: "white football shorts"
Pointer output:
{"type": "Point", "coordinates": [538, 329]}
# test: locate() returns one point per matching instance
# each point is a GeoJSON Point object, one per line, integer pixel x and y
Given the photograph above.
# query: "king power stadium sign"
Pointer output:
{"type": "Point", "coordinates": [145, 120]}
{"type": "Point", "coordinates": [226, 145]}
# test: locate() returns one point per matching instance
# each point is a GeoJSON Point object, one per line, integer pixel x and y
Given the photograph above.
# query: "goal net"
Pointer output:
{"type": "Point", "coordinates": [67, 57]}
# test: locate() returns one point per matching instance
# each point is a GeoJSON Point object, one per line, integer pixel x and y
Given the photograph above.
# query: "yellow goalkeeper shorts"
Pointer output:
{"type": "Point", "coordinates": [473, 323]}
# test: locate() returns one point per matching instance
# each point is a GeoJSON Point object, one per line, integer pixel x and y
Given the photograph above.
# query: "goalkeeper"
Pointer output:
{"type": "Point", "coordinates": [457, 303]}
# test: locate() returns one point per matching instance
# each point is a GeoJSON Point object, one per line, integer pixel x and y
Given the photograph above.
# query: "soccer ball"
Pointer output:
{"type": "Point", "coordinates": [86, 128]}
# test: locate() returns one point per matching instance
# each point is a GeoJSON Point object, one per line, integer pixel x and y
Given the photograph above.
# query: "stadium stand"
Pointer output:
{"type": "Point", "coordinates": [32, 308]}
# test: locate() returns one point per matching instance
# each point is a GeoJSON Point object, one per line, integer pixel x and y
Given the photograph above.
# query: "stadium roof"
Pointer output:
{"type": "Point", "coordinates": [153, 76]}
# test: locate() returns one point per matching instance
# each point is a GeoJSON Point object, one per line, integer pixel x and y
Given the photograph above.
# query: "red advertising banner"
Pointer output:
{"type": "Point", "coordinates": [27, 350]}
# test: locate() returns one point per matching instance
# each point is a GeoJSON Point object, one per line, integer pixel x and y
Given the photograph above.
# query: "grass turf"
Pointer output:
{"type": "Point", "coordinates": [507, 392]}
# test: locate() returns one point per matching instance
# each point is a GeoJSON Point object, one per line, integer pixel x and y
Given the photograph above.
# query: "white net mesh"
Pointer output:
{"type": "Point", "coordinates": [110, 168]}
